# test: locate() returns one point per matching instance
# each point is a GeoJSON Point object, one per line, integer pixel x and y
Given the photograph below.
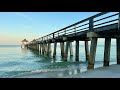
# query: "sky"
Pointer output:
{"type": "Point", "coordinates": [16, 26]}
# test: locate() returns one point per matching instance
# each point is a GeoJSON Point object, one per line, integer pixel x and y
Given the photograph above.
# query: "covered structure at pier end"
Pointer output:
{"type": "Point", "coordinates": [24, 43]}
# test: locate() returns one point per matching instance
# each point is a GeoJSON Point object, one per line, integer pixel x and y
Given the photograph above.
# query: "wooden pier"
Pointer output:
{"type": "Point", "coordinates": [102, 25]}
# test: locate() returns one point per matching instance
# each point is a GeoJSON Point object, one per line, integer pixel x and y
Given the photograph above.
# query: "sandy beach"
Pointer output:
{"type": "Point", "coordinates": [113, 71]}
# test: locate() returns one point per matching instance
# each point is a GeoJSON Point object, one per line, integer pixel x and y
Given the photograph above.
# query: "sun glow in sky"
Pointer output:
{"type": "Point", "coordinates": [15, 26]}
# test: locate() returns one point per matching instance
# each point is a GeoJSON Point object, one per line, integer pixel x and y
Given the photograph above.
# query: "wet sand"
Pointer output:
{"type": "Point", "coordinates": [113, 71]}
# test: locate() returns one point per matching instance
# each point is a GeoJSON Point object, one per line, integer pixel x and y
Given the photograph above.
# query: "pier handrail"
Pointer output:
{"type": "Point", "coordinates": [90, 25]}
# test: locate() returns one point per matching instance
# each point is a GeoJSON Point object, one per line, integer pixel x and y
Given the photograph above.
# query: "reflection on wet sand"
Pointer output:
{"type": "Point", "coordinates": [68, 72]}
{"type": "Point", "coordinates": [54, 74]}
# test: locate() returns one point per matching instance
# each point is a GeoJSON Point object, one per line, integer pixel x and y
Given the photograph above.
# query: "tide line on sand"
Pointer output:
{"type": "Point", "coordinates": [113, 71]}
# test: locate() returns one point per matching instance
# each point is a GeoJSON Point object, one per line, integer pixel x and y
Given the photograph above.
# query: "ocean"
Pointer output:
{"type": "Point", "coordinates": [15, 61]}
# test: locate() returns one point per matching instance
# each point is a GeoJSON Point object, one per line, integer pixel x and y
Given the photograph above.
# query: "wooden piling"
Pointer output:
{"type": "Point", "coordinates": [118, 50]}
{"type": "Point", "coordinates": [55, 46]}
{"type": "Point", "coordinates": [107, 51]}
{"type": "Point", "coordinates": [77, 51]}
{"type": "Point", "coordinates": [62, 48]}
{"type": "Point", "coordinates": [49, 48]}
{"type": "Point", "coordinates": [35, 46]}
{"type": "Point", "coordinates": [32, 46]}
{"type": "Point", "coordinates": [87, 50]}
{"type": "Point", "coordinates": [66, 51]}
{"type": "Point", "coordinates": [92, 53]}
{"type": "Point", "coordinates": [45, 48]}
{"type": "Point", "coordinates": [71, 49]}
{"type": "Point", "coordinates": [40, 48]}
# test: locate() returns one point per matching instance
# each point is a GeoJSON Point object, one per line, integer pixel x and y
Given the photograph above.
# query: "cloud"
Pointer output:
{"type": "Point", "coordinates": [23, 15]}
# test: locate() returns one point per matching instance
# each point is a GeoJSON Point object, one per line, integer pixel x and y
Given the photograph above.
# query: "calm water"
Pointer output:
{"type": "Point", "coordinates": [15, 61]}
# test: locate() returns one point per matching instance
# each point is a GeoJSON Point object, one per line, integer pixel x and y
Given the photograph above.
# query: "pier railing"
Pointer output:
{"type": "Point", "coordinates": [96, 21]}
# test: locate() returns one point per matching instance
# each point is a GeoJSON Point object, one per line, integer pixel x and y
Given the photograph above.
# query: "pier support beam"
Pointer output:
{"type": "Point", "coordinates": [87, 50]}
{"type": "Point", "coordinates": [40, 48]}
{"type": "Point", "coordinates": [92, 53]}
{"type": "Point", "coordinates": [77, 51]}
{"type": "Point", "coordinates": [62, 48]}
{"type": "Point", "coordinates": [49, 49]}
{"type": "Point", "coordinates": [71, 49]}
{"type": "Point", "coordinates": [107, 51]}
{"type": "Point", "coordinates": [35, 46]}
{"type": "Point", "coordinates": [118, 50]}
{"type": "Point", "coordinates": [45, 47]}
{"type": "Point", "coordinates": [66, 51]}
{"type": "Point", "coordinates": [32, 46]}
{"type": "Point", "coordinates": [55, 46]}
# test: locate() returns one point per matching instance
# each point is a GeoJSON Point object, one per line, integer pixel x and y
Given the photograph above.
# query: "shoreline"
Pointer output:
{"type": "Point", "coordinates": [113, 71]}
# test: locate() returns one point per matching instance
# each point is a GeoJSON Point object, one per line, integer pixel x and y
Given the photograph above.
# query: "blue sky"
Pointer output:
{"type": "Point", "coordinates": [15, 26]}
